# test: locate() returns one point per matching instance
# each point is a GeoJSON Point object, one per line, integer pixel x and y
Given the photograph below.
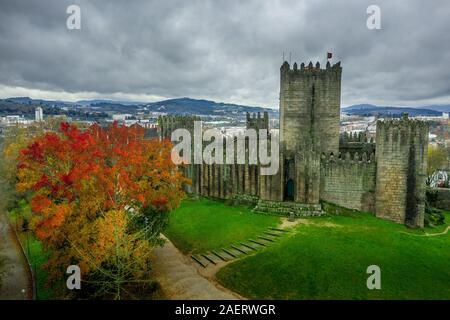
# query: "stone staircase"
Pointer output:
{"type": "Point", "coordinates": [239, 249]}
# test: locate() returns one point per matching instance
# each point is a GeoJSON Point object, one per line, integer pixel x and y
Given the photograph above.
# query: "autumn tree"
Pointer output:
{"type": "Point", "coordinates": [14, 139]}
{"type": "Point", "coordinates": [100, 198]}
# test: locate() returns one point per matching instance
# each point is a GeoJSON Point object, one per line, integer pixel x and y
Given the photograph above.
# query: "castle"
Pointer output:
{"type": "Point", "coordinates": [317, 164]}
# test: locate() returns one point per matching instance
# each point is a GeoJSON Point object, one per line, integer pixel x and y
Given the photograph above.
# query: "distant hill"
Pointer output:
{"type": "Point", "coordinates": [107, 102]}
{"type": "Point", "coordinates": [441, 108]}
{"type": "Point", "coordinates": [36, 102]}
{"type": "Point", "coordinates": [10, 107]}
{"type": "Point", "coordinates": [370, 110]}
{"type": "Point", "coordinates": [202, 107]}
{"type": "Point", "coordinates": [185, 106]}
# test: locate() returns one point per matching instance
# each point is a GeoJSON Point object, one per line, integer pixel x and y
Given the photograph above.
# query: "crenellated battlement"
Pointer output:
{"type": "Point", "coordinates": [348, 158]}
{"type": "Point", "coordinates": [310, 68]}
{"type": "Point", "coordinates": [256, 121]}
{"type": "Point", "coordinates": [349, 137]}
{"type": "Point", "coordinates": [402, 123]}
{"type": "Point", "coordinates": [356, 142]}
{"type": "Point", "coordinates": [178, 119]}
{"type": "Point", "coordinates": [401, 132]}
{"type": "Point", "coordinates": [168, 123]}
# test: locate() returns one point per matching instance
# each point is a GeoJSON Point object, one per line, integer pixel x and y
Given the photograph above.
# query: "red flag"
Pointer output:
{"type": "Point", "coordinates": [329, 55]}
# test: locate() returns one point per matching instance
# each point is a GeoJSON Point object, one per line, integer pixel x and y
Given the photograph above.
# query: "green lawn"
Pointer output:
{"type": "Point", "coordinates": [34, 250]}
{"type": "Point", "coordinates": [328, 257]}
{"type": "Point", "coordinates": [202, 225]}
{"type": "Point", "coordinates": [38, 257]}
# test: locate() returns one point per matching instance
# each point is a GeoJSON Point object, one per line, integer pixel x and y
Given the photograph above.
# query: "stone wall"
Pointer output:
{"type": "Point", "coordinates": [349, 181]}
{"type": "Point", "coordinates": [166, 125]}
{"type": "Point", "coordinates": [224, 181]}
{"type": "Point", "coordinates": [307, 176]}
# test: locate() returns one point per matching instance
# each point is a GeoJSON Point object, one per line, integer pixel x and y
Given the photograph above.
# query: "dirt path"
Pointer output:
{"type": "Point", "coordinates": [180, 279]}
{"type": "Point", "coordinates": [438, 234]}
{"type": "Point", "coordinates": [14, 279]}
{"type": "Point", "coordinates": [429, 234]}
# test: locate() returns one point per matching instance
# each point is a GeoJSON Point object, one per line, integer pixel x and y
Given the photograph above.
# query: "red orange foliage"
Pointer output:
{"type": "Point", "coordinates": [76, 177]}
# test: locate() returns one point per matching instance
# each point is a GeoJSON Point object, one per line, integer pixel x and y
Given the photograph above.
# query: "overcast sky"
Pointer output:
{"type": "Point", "coordinates": [222, 50]}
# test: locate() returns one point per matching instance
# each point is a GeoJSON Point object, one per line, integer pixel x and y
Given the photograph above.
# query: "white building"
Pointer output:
{"type": "Point", "coordinates": [14, 120]}
{"type": "Point", "coordinates": [38, 114]}
{"type": "Point", "coordinates": [444, 115]}
{"type": "Point", "coordinates": [121, 117]}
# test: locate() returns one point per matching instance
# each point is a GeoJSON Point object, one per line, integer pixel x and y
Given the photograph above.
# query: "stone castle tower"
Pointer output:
{"type": "Point", "coordinates": [317, 165]}
{"type": "Point", "coordinates": [310, 101]}
{"type": "Point", "coordinates": [401, 159]}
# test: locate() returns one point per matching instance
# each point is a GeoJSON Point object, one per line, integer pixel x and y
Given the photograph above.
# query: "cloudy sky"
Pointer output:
{"type": "Point", "coordinates": [222, 50]}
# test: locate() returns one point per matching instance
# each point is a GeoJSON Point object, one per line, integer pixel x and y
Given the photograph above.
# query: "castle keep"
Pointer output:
{"type": "Point", "coordinates": [317, 164]}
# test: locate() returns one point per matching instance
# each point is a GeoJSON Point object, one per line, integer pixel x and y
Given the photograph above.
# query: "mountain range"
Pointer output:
{"type": "Point", "coordinates": [370, 110]}
{"type": "Point", "coordinates": [186, 106]}
{"type": "Point", "coordinates": [203, 107]}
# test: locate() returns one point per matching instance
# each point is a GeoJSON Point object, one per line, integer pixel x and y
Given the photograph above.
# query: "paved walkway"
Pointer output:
{"type": "Point", "coordinates": [180, 279]}
{"type": "Point", "coordinates": [14, 281]}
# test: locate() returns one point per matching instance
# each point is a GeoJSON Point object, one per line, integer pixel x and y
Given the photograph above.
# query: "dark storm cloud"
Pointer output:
{"type": "Point", "coordinates": [225, 50]}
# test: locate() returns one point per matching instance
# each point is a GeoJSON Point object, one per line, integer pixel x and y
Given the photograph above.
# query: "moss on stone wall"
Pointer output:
{"type": "Point", "coordinates": [334, 209]}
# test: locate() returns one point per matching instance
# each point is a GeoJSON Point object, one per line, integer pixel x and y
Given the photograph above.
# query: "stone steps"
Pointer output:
{"type": "Point", "coordinates": [241, 249]}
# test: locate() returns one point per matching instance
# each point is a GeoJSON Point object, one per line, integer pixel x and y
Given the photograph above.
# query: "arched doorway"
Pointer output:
{"type": "Point", "coordinates": [289, 190]}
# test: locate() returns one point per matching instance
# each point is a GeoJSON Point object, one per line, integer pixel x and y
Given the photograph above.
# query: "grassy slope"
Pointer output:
{"type": "Point", "coordinates": [202, 225]}
{"type": "Point", "coordinates": [326, 262]}
{"type": "Point", "coordinates": [37, 256]}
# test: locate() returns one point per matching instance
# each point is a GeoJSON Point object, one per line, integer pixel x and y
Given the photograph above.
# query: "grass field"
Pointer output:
{"type": "Point", "coordinates": [35, 252]}
{"type": "Point", "coordinates": [202, 225]}
{"type": "Point", "coordinates": [327, 258]}
{"type": "Point", "coordinates": [38, 258]}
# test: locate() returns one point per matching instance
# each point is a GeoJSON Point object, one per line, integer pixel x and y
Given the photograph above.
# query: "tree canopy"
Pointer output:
{"type": "Point", "coordinates": [100, 198]}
